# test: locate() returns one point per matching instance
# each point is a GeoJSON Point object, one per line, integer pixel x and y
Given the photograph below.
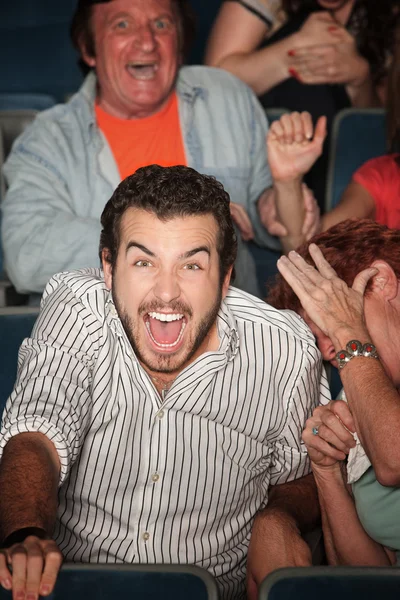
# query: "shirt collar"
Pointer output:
{"type": "Point", "coordinates": [187, 91]}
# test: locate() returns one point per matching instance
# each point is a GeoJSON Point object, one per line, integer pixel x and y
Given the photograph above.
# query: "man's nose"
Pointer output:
{"type": "Point", "coordinates": [145, 39]}
{"type": "Point", "coordinates": [167, 287]}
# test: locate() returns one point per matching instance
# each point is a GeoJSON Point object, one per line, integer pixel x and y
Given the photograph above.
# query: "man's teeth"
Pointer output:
{"type": "Point", "coordinates": [166, 317]}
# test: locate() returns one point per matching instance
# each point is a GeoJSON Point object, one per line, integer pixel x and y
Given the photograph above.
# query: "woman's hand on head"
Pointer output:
{"type": "Point", "coordinates": [334, 307]}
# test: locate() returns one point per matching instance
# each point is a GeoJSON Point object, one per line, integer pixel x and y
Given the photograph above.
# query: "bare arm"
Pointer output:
{"type": "Point", "coordinates": [233, 45]}
{"type": "Point", "coordinates": [346, 542]}
{"type": "Point", "coordinates": [276, 535]}
{"type": "Point", "coordinates": [29, 474]}
{"type": "Point", "coordinates": [356, 203]}
{"type": "Point", "coordinates": [293, 147]}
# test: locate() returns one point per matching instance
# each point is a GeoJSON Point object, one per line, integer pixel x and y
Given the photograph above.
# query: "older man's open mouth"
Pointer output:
{"type": "Point", "coordinates": [142, 70]}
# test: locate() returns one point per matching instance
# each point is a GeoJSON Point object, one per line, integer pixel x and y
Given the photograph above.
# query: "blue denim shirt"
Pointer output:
{"type": "Point", "coordinates": [61, 172]}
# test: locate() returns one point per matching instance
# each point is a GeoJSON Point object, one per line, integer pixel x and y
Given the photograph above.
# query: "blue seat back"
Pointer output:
{"type": "Point", "coordinates": [357, 135]}
{"type": "Point", "coordinates": [331, 583]}
{"type": "Point", "coordinates": [132, 582]}
{"type": "Point", "coordinates": [27, 100]}
{"type": "Point", "coordinates": [13, 329]}
{"type": "Point", "coordinates": [36, 55]}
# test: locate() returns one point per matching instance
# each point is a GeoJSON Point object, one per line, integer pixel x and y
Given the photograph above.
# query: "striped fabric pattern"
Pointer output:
{"type": "Point", "coordinates": [177, 479]}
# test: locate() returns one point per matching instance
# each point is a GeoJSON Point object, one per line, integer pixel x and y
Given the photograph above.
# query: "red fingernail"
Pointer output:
{"type": "Point", "coordinates": [291, 52]}
{"type": "Point", "coordinates": [6, 583]}
{"type": "Point", "coordinates": [294, 74]}
{"type": "Point", "coordinates": [333, 28]}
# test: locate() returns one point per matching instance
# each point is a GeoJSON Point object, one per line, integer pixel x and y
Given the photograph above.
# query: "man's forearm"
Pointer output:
{"type": "Point", "coordinates": [298, 500]}
{"type": "Point", "coordinates": [28, 483]}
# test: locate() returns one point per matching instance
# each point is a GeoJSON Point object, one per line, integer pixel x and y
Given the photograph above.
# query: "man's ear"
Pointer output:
{"type": "Point", "coordinates": [385, 282]}
{"type": "Point", "coordinates": [107, 268]}
{"type": "Point", "coordinates": [87, 57]}
{"type": "Point", "coordinates": [226, 283]}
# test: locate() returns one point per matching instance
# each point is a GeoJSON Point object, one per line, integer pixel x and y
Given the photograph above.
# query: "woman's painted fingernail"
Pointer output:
{"type": "Point", "coordinates": [6, 583]}
{"type": "Point", "coordinates": [333, 28]}
{"type": "Point", "coordinates": [291, 52]}
{"type": "Point", "coordinates": [294, 74]}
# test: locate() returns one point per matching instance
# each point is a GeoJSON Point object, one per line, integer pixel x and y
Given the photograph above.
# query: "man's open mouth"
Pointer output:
{"type": "Point", "coordinates": [165, 329]}
{"type": "Point", "coordinates": [142, 71]}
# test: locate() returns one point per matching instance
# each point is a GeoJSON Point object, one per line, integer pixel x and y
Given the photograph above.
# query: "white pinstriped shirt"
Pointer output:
{"type": "Point", "coordinates": [177, 480]}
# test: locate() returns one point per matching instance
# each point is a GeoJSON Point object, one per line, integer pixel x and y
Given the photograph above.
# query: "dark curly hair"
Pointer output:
{"type": "Point", "coordinates": [170, 192]}
{"type": "Point", "coordinates": [373, 22]}
{"type": "Point", "coordinates": [350, 247]}
{"type": "Point", "coordinates": [81, 31]}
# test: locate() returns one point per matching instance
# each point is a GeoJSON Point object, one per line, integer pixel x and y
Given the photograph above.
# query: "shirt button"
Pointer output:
{"type": "Point", "coordinates": [146, 536]}
{"type": "Point", "coordinates": [113, 311]}
{"type": "Point", "coordinates": [160, 414]}
{"type": "Point", "coordinates": [155, 477]}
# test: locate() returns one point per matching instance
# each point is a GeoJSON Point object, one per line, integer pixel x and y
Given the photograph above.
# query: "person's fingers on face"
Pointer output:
{"type": "Point", "coordinates": [298, 131]}
{"type": "Point", "coordinates": [287, 125]}
{"type": "Point", "coordinates": [5, 575]}
{"type": "Point", "coordinates": [18, 564]}
{"type": "Point", "coordinates": [53, 562]}
{"type": "Point", "coordinates": [34, 569]}
{"type": "Point", "coordinates": [361, 280]}
{"type": "Point", "coordinates": [321, 263]}
{"type": "Point", "coordinates": [312, 279]}
{"type": "Point", "coordinates": [342, 411]}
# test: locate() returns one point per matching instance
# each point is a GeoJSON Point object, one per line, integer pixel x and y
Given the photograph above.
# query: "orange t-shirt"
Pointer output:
{"type": "Point", "coordinates": [139, 142]}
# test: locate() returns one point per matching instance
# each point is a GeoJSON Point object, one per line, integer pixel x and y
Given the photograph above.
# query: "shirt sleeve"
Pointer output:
{"type": "Point", "coordinates": [52, 391]}
{"type": "Point", "coordinates": [41, 232]}
{"type": "Point", "coordinates": [289, 456]}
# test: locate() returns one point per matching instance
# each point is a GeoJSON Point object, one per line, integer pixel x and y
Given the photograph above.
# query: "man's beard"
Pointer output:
{"type": "Point", "coordinates": [164, 361]}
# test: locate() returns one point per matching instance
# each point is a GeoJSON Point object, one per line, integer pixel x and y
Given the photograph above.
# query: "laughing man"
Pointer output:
{"type": "Point", "coordinates": [158, 411]}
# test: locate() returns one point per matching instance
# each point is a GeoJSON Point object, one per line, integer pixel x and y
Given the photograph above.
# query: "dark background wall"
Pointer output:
{"type": "Point", "coordinates": [35, 51]}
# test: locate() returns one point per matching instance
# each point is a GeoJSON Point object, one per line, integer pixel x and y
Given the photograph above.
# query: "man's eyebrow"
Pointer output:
{"type": "Point", "coordinates": [190, 253]}
{"type": "Point", "coordinates": [133, 244]}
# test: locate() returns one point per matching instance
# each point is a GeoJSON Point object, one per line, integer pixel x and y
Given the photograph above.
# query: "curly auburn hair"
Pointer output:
{"type": "Point", "coordinates": [373, 23]}
{"type": "Point", "coordinates": [350, 247]}
{"type": "Point", "coordinates": [168, 193]}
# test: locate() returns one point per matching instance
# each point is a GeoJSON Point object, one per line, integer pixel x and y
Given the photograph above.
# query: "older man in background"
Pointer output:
{"type": "Point", "coordinates": [137, 106]}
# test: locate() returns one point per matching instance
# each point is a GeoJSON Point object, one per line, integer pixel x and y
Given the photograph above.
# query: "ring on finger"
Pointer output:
{"type": "Point", "coordinates": [315, 430]}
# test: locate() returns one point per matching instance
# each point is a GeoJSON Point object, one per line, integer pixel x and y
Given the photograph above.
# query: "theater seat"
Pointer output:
{"type": "Point", "coordinates": [15, 325]}
{"type": "Point", "coordinates": [331, 583]}
{"type": "Point", "coordinates": [358, 134]}
{"type": "Point", "coordinates": [26, 101]}
{"type": "Point", "coordinates": [132, 582]}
